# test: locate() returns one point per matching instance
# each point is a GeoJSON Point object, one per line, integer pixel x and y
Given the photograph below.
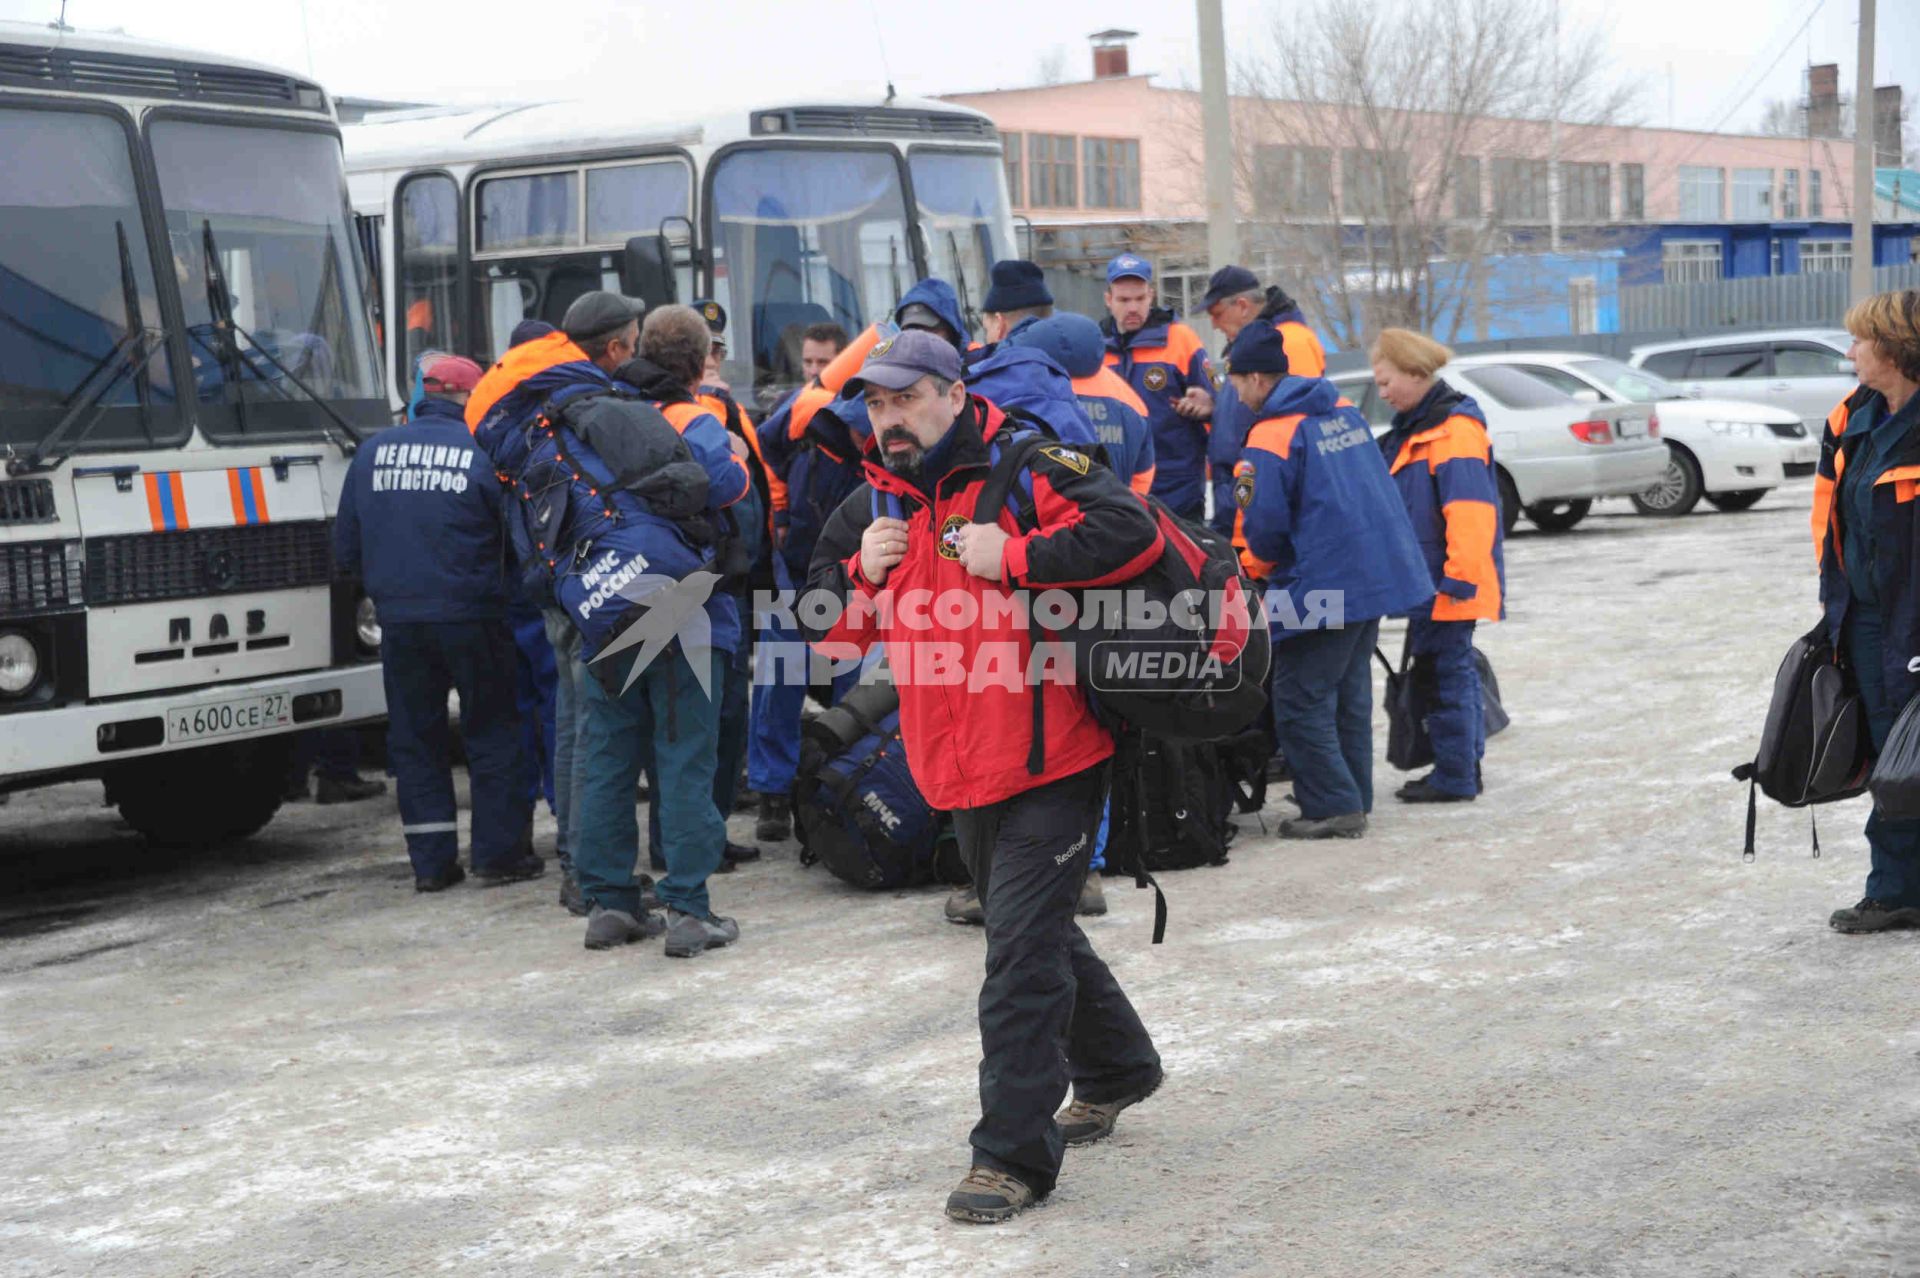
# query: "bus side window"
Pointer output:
{"type": "Point", "coordinates": [426, 238]}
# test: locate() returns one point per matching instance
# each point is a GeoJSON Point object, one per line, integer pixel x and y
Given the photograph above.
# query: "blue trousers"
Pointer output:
{"type": "Point", "coordinates": [667, 723]}
{"type": "Point", "coordinates": [1323, 716]}
{"type": "Point", "coordinates": [1456, 720]}
{"type": "Point", "coordinates": [780, 681]}
{"type": "Point", "coordinates": [1893, 847]}
{"type": "Point", "coordinates": [565, 645]}
{"type": "Point", "coordinates": [536, 683]}
{"type": "Point", "coordinates": [421, 662]}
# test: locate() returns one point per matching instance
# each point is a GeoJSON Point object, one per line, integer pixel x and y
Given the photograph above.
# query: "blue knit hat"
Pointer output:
{"type": "Point", "coordinates": [1257, 349]}
{"type": "Point", "coordinates": [1017, 286]}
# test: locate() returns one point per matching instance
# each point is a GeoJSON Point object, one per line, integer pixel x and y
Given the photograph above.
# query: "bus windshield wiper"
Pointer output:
{"type": "Point", "coordinates": [133, 352]}
{"type": "Point", "coordinates": [967, 313]}
{"type": "Point", "coordinates": [233, 360]}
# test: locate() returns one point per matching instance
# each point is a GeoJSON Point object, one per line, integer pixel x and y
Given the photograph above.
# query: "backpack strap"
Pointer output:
{"type": "Point", "coordinates": [1010, 464]}
{"type": "Point", "coordinates": [888, 505]}
{"type": "Point", "coordinates": [1129, 762]}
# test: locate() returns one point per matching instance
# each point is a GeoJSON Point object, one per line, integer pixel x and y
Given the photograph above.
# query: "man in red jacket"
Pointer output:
{"type": "Point", "coordinates": [1021, 764]}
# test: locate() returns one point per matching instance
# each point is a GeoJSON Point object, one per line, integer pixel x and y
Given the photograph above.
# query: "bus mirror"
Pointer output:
{"type": "Point", "coordinates": [646, 270]}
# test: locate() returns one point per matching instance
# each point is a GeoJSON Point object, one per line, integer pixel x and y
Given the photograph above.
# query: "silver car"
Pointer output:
{"type": "Point", "coordinates": [1802, 369]}
{"type": "Point", "coordinates": [1552, 453]}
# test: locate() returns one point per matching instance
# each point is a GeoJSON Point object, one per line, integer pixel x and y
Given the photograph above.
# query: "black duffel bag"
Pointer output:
{"type": "Point", "coordinates": [1896, 773]}
{"type": "Point", "coordinates": [1814, 746]}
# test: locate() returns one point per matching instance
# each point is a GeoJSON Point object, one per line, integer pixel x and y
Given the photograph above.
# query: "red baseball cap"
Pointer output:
{"type": "Point", "coordinates": [451, 373]}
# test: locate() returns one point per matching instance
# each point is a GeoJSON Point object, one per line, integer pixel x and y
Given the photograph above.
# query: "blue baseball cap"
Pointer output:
{"type": "Point", "coordinates": [897, 362]}
{"type": "Point", "coordinates": [1129, 266]}
{"type": "Point", "coordinates": [1229, 281]}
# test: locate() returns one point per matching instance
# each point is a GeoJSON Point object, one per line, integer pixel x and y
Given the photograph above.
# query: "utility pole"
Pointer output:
{"type": "Point", "coordinates": [1216, 119]}
{"type": "Point", "coordinates": [1863, 157]}
{"type": "Point", "coordinates": [1553, 143]}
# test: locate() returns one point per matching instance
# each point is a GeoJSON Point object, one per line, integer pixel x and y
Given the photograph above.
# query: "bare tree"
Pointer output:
{"type": "Point", "coordinates": [1391, 147]}
{"type": "Point", "coordinates": [1050, 67]}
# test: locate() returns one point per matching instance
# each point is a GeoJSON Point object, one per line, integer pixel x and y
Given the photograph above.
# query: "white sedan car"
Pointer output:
{"type": "Point", "coordinates": [1729, 451]}
{"type": "Point", "coordinates": [1553, 454]}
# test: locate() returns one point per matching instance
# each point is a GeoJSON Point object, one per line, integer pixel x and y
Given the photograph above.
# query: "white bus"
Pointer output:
{"type": "Point", "coordinates": [786, 215]}
{"type": "Point", "coordinates": [186, 360]}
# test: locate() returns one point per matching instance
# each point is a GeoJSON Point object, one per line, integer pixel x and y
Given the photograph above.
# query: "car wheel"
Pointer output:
{"type": "Point", "coordinates": [1558, 516]}
{"type": "Point", "coordinates": [1745, 499]}
{"type": "Point", "coordinates": [1509, 504]}
{"type": "Point", "coordinates": [1678, 491]}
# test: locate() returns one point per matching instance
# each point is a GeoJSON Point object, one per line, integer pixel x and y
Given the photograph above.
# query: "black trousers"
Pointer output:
{"type": "Point", "coordinates": [1050, 1011]}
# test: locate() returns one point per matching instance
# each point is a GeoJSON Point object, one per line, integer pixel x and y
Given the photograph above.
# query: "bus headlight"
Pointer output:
{"type": "Point", "coordinates": [366, 626]}
{"type": "Point", "coordinates": [19, 663]}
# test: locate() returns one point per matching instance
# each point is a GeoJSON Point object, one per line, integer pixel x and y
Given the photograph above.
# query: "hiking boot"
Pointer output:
{"type": "Point", "coordinates": [1348, 825]}
{"type": "Point", "coordinates": [776, 819]}
{"type": "Point", "coordinates": [571, 898]}
{"type": "Point", "coordinates": [1422, 791]}
{"type": "Point", "coordinates": [517, 869]}
{"type": "Point", "coordinates": [347, 789]}
{"type": "Point", "coordinates": [739, 853]}
{"type": "Point", "coordinates": [1873, 916]}
{"type": "Point", "coordinates": [1278, 769]}
{"type": "Point", "coordinates": [987, 1197]}
{"type": "Point", "coordinates": [1083, 1122]}
{"type": "Point", "coordinates": [1093, 897]}
{"type": "Point", "coordinates": [689, 934]}
{"type": "Point", "coordinates": [608, 928]}
{"type": "Point", "coordinates": [964, 907]}
{"type": "Point", "coordinates": [440, 882]}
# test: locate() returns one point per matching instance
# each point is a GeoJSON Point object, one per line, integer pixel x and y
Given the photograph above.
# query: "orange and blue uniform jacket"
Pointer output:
{"type": "Point", "coordinates": [1305, 358]}
{"type": "Point", "coordinates": [1119, 418]}
{"type": "Point", "coordinates": [1442, 463]}
{"type": "Point", "coordinates": [1891, 539]}
{"type": "Point", "coordinates": [1317, 515]}
{"type": "Point", "coordinates": [1162, 360]}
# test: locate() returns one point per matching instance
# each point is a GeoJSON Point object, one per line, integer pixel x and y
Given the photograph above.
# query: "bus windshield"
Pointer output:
{"type": "Point", "coordinates": [77, 288]}
{"type": "Point", "coordinates": [283, 272]}
{"type": "Point", "coordinates": [964, 217]}
{"type": "Point", "coordinates": [803, 236]}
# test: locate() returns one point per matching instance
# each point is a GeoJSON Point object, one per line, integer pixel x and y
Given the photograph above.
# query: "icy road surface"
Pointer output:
{"type": "Point", "coordinates": [1561, 1031]}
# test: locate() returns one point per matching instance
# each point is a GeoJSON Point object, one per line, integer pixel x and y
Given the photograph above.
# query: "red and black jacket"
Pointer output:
{"type": "Point", "coordinates": [967, 713]}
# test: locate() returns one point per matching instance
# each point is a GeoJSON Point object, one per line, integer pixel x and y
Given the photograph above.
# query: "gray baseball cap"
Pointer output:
{"type": "Point", "coordinates": [897, 362]}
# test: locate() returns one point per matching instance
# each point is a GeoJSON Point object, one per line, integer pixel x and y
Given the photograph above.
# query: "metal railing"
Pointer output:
{"type": "Point", "coordinates": [1817, 298]}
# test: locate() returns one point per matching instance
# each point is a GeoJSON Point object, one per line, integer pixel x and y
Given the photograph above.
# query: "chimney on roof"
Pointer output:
{"type": "Point", "coordinates": [1823, 100]}
{"type": "Point", "coordinates": [1886, 127]}
{"type": "Point", "coordinates": [1110, 54]}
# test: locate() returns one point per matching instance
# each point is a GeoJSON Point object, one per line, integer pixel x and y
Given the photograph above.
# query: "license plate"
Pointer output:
{"type": "Point", "coordinates": [1630, 427]}
{"type": "Point", "coordinates": [261, 712]}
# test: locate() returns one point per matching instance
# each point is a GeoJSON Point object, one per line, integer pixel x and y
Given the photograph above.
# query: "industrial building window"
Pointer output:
{"type": "Point", "coordinates": [1633, 191]}
{"type": "Point", "coordinates": [1293, 179]}
{"type": "Point", "coordinates": [1519, 189]}
{"type": "Point", "coordinates": [1700, 194]}
{"type": "Point", "coordinates": [1113, 172]}
{"type": "Point", "coordinates": [1825, 255]}
{"type": "Point", "coordinates": [1466, 186]}
{"type": "Point", "coordinates": [1753, 195]}
{"type": "Point", "coordinates": [1010, 144]}
{"type": "Point", "coordinates": [1586, 194]}
{"type": "Point", "coordinates": [1813, 194]}
{"type": "Point", "coordinates": [1789, 194]}
{"type": "Point", "coordinates": [1372, 183]}
{"type": "Point", "coordinates": [1690, 261]}
{"type": "Point", "coordinates": [1052, 171]}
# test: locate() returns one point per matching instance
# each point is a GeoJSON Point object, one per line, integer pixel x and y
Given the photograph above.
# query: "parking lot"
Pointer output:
{"type": "Point", "coordinates": [1564, 1030]}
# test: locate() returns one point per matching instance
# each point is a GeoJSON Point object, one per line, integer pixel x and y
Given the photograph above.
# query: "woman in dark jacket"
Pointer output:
{"type": "Point", "coordinates": [1866, 531]}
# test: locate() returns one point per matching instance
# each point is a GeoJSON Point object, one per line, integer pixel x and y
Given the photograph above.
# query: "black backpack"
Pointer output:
{"type": "Point", "coordinates": [856, 808]}
{"type": "Point", "coordinates": [1197, 681]}
{"type": "Point", "coordinates": [1814, 747]}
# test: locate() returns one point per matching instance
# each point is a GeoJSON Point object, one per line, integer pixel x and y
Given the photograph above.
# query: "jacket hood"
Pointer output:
{"type": "Point", "coordinates": [432, 409]}
{"type": "Point", "coordinates": [1073, 341]}
{"type": "Point", "coordinates": [652, 381]}
{"type": "Point", "coordinates": [1313, 396]}
{"type": "Point", "coordinates": [1279, 306]}
{"type": "Point", "coordinates": [939, 295]}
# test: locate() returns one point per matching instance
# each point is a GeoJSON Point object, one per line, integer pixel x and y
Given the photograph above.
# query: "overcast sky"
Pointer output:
{"type": "Point", "coordinates": [1714, 54]}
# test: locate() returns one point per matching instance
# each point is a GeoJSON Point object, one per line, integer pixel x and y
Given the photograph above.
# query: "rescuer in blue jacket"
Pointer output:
{"type": "Point", "coordinates": [420, 521]}
{"type": "Point", "coordinates": [1320, 521]}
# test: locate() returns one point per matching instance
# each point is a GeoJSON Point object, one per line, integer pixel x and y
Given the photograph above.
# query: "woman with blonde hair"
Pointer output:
{"type": "Point", "coordinates": [1866, 533]}
{"type": "Point", "coordinates": [1442, 463]}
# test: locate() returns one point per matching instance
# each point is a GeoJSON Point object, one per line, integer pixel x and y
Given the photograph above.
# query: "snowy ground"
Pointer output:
{"type": "Point", "coordinates": [1561, 1031]}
